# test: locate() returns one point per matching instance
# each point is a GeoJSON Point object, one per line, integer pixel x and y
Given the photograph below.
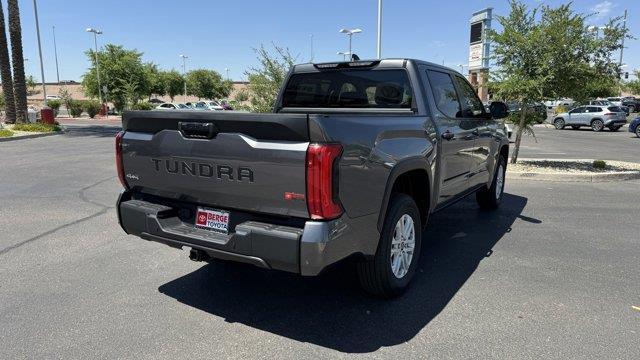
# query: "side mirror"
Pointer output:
{"type": "Point", "coordinates": [498, 110]}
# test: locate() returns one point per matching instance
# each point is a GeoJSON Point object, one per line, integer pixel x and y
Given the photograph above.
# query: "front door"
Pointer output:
{"type": "Point", "coordinates": [457, 137]}
{"type": "Point", "coordinates": [576, 116]}
{"type": "Point", "coordinates": [474, 113]}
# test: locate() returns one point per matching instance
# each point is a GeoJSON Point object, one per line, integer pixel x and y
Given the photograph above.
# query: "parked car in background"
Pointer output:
{"type": "Point", "coordinates": [597, 117]}
{"type": "Point", "coordinates": [208, 105]}
{"type": "Point", "coordinates": [53, 97]}
{"type": "Point", "coordinates": [631, 103]}
{"type": "Point", "coordinates": [173, 106]}
{"type": "Point", "coordinates": [634, 126]}
{"type": "Point", "coordinates": [538, 109]}
{"type": "Point", "coordinates": [552, 104]}
{"type": "Point", "coordinates": [156, 101]}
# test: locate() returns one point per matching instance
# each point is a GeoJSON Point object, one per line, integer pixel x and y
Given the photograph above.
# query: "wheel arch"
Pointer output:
{"type": "Point", "coordinates": [411, 177]}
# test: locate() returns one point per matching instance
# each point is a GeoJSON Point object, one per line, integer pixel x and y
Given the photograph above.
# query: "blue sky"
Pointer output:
{"type": "Point", "coordinates": [221, 34]}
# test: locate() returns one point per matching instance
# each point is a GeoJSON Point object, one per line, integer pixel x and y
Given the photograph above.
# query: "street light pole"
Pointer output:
{"type": "Point", "coordinates": [97, 32]}
{"type": "Point", "coordinates": [379, 47]}
{"type": "Point", "coordinates": [44, 88]}
{"type": "Point", "coordinates": [227, 70]}
{"type": "Point", "coordinates": [184, 73]}
{"type": "Point", "coordinates": [55, 51]}
{"type": "Point", "coordinates": [624, 28]}
{"type": "Point", "coordinates": [350, 33]}
{"type": "Point", "coordinates": [311, 57]}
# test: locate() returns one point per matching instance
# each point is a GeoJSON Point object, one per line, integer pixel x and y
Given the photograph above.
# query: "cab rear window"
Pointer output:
{"type": "Point", "coordinates": [388, 89]}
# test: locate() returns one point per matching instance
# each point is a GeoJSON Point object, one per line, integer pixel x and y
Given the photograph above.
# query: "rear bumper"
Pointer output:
{"type": "Point", "coordinates": [615, 122]}
{"type": "Point", "coordinates": [306, 249]}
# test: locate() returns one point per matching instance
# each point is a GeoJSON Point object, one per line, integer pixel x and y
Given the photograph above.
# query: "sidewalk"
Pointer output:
{"type": "Point", "coordinates": [112, 120]}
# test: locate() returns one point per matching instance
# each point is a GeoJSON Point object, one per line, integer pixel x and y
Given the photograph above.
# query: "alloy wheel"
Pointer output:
{"type": "Point", "coordinates": [403, 245]}
{"type": "Point", "coordinates": [559, 124]}
{"type": "Point", "coordinates": [597, 125]}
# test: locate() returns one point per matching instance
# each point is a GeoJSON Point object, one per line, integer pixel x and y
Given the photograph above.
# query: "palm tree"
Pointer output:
{"type": "Point", "coordinates": [5, 73]}
{"type": "Point", "coordinates": [19, 82]}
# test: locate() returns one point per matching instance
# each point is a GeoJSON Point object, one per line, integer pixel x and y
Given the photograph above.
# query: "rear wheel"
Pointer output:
{"type": "Point", "coordinates": [491, 197]}
{"type": "Point", "coordinates": [388, 274]}
{"type": "Point", "coordinates": [597, 125]}
{"type": "Point", "coordinates": [559, 124]}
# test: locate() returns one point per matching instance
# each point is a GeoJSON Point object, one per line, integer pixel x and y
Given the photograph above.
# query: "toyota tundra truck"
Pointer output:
{"type": "Point", "coordinates": [349, 165]}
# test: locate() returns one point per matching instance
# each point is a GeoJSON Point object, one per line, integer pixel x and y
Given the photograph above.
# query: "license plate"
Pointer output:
{"type": "Point", "coordinates": [212, 219]}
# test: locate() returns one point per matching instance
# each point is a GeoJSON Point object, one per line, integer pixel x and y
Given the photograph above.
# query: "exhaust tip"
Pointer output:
{"type": "Point", "coordinates": [198, 255]}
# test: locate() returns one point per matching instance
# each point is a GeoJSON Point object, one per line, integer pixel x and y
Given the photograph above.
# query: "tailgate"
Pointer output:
{"type": "Point", "coordinates": [219, 159]}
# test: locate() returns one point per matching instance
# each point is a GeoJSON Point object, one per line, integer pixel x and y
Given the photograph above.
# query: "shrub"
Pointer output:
{"type": "Point", "coordinates": [561, 109]}
{"type": "Point", "coordinates": [36, 127]}
{"type": "Point", "coordinates": [6, 133]}
{"type": "Point", "coordinates": [55, 105]}
{"type": "Point", "coordinates": [599, 164]}
{"type": "Point", "coordinates": [75, 108]}
{"type": "Point", "coordinates": [92, 107]}
{"type": "Point", "coordinates": [144, 105]}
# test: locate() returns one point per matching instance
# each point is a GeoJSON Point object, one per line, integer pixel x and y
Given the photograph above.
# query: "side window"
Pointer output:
{"type": "Point", "coordinates": [444, 93]}
{"type": "Point", "coordinates": [577, 110]}
{"type": "Point", "coordinates": [471, 105]}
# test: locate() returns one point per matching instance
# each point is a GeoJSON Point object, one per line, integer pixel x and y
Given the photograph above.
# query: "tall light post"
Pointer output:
{"type": "Point", "coordinates": [379, 47]}
{"type": "Point", "coordinates": [97, 32]}
{"type": "Point", "coordinates": [311, 50]}
{"type": "Point", "coordinates": [184, 73]}
{"type": "Point", "coordinates": [55, 52]}
{"type": "Point", "coordinates": [44, 88]}
{"type": "Point", "coordinates": [350, 33]}
{"type": "Point", "coordinates": [227, 70]}
{"type": "Point", "coordinates": [344, 54]}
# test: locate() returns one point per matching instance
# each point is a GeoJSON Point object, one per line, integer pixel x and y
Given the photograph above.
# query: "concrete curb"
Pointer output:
{"type": "Point", "coordinates": [31, 136]}
{"type": "Point", "coordinates": [565, 177]}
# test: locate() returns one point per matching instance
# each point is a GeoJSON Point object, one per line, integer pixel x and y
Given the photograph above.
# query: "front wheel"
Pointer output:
{"type": "Point", "coordinates": [388, 274]}
{"type": "Point", "coordinates": [638, 131]}
{"type": "Point", "coordinates": [632, 109]}
{"type": "Point", "coordinates": [491, 197]}
{"type": "Point", "coordinates": [559, 124]}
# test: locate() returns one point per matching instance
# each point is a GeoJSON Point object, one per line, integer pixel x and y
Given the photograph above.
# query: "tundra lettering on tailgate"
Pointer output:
{"type": "Point", "coordinates": [203, 169]}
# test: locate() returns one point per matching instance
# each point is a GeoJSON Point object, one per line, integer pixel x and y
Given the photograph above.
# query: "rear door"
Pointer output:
{"type": "Point", "coordinates": [457, 136]}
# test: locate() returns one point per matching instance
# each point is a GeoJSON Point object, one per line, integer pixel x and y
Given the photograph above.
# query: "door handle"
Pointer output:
{"type": "Point", "coordinates": [448, 135]}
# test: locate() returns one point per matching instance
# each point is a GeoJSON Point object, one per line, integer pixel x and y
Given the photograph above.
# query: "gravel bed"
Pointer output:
{"type": "Point", "coordinates": [571, 166]}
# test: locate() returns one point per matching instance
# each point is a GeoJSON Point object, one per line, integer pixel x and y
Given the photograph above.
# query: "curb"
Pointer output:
{"type": "Point", "coordinates": [31, 136]}
{"type": "Point", "coordinates": [563, 177]}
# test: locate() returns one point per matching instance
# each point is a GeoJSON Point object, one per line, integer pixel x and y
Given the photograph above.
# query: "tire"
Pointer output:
{"type": "Point", "coordinates": [597, 125]}
{"type": "Point", "coordinates": [614, 128]}
{"type": "Point", "coordinates": [490, 197]}
{"type": "Point", "coordinates": [575, 127]}
{"type": "Point", "coordinates": [378, 276]}
{"type": "Point", "coordinates": [632, 109]}
{"type": "Point", "coordinates": [638, 131]}
{"type": "Point", "coordinates": [559, 124]}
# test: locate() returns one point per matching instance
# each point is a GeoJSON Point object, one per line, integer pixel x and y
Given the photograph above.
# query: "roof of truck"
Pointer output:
{"type": "Point", "coordinates": [389, 62]}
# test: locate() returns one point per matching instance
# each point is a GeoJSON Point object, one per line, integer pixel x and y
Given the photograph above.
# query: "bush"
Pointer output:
{"type": "Point", "coordinates": [36, 127]}
{"type": "Point", "coordinates": [5, 133]}
{"type": "Point", "coordinates": [55, 105]}
{"type": "Point", "coordinates": [75, 108]}
{"type": "Point", "coordinates": [143, 106]}
{"type": "Point", "coordinates": [561, 109]}
{"type": "Point", "coordinates": [599, 164]}
{"type": "Point", "coordinates": [92, 107]}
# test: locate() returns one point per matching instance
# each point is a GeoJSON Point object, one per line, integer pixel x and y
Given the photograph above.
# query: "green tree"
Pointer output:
{"type": "Point", "coordinates": [19, 82]}
{"type": "Point", "coordinates": [266, 79]}
{"type": "Point", "coordinates": [206, 84]}
{"type": "Point", "coordinates": [548, 52]}
{"type": "Point", "coordinates": [121, 70]}
{"type": "Point", "coordinates": [242, 96]}
{"type": "Point", "coordinates": [155, 80]}
{"type": "Point", "coordinates": [31, 85]}
{"type": "Point", "coordinates": [173, 82]}
{"type": "Point", "coordinates": [634, 85]}
{"type": "Point", "coordinates": [5, 74]}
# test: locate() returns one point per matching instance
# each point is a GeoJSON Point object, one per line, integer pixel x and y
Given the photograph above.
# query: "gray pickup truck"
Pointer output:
{"type": "Point", "coordinates": [349, 165]}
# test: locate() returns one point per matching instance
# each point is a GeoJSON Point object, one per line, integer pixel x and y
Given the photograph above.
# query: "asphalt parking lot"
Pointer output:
{"type": "Point", "coordinates": [554, 273]}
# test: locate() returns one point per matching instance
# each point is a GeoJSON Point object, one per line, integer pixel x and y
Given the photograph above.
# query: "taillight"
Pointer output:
{"type": "Point", "coordinates": [322, 185]}
{"type": "Point", "coordinates": [119, 166]}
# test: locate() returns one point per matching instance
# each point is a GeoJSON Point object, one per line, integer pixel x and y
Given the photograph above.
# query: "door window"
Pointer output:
{"type": "Point", "coordinates": [471, 105]}
{"type": "Point", "coordinates": [577, 110]}
{"type": "Point", "coordinates": [444, 93]}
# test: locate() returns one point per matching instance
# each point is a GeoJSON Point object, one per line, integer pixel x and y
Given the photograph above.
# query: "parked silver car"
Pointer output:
{"type": "Point", "coordinates": [596, 117]}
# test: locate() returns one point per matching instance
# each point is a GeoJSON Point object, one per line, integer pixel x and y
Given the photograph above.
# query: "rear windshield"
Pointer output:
{"type": "Point", "coordinates": [389, 89]}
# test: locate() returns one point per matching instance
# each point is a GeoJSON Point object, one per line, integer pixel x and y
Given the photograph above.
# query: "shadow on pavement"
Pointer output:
{"type": "Point", "coordinates": [330, 310]}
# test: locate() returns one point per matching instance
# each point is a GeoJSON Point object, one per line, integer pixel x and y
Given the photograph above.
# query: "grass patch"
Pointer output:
{"type": "Point", "coordinates": [5, 133]}
{"type": "Point", "coordinates": [36, 127]}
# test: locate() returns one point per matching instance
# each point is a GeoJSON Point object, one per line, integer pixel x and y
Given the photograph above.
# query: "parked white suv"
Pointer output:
{"type": "Point", "coordinates": [596, 117]}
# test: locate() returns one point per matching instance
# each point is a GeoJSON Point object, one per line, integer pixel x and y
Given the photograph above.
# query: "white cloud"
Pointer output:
{"type": "Point", "coordinates": [603, 9]}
